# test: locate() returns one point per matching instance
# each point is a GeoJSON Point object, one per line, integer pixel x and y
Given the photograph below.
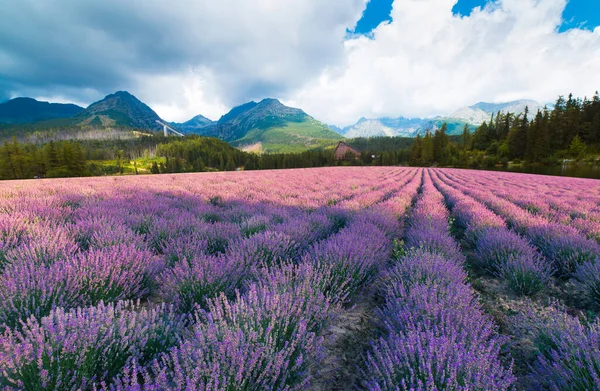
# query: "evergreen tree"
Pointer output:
{"type": "Point", "coordinates": [440, 144]}
{"type": "Point", "coordinates": [416, 152]}
{"type": "Point", "coordinates": [517, 137]}
{"type": "Point", "coordinates": [427, 157]}
{"type": "Point", "coordinates": [466, 137]}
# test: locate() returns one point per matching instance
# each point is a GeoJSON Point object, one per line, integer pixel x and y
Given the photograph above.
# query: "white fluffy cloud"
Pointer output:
{"type": "Point", "coordinates": [429, 62]}
{"type": "Point", "coordinates": [183, 57]}
{"type": "Point", "coordinates": [188, 57]}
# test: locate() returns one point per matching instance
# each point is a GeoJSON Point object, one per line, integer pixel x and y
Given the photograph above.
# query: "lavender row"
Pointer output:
{"type": "Point", "coordinates": [566, 348]}
{"type": "Point", "coordinates": [307, 294]}
{"type": "Point", "coordinates": [576, 206]}
{"type": "Point", "coordinates": [437, 335]}
{"type": "Point", "coordinates": [562, 245]}
{"type": "Point", "coordinates": [260, 298]}
{"type": "Point", "coordinates": [498, 251]}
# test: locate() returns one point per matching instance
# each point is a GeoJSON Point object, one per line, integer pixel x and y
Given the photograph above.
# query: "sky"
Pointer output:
{"type": "Point", "coordinates": [338, 60]}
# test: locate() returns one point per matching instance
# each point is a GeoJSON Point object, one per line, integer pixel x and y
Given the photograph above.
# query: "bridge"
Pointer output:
{"type": "Point", "coordinates": [167, 129]}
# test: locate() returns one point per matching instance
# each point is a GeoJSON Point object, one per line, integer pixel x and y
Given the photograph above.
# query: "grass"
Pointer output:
{"type": "Point", "coordinates": [143, 164]}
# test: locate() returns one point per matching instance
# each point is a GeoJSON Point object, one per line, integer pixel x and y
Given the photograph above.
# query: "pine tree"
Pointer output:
{"type": "Point", "coordinates": [466, 137]}
{"type": "Point", "coordinates": [427, 150]}
{"type": "Point", "coordinates": [416, 152]}
{"type": "Point", "coordinates": [440, 144]}
{"type": "Point", "coordinates": [230, 165]}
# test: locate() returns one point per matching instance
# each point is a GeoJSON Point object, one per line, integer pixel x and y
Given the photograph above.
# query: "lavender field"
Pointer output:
{"type": "Point", "coordinates": [347, 278]}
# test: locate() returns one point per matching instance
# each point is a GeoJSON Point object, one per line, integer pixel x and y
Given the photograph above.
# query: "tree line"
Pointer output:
{"type": "Point", "coordinates": [52, 160]}
{"type": "Point", "coordinates": [570, 130]}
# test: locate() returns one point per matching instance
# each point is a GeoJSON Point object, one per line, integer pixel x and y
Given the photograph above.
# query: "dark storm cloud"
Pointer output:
{"type": "Point", "coordinates": [249, 48]}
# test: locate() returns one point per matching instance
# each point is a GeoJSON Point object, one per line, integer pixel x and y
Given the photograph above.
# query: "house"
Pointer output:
{"type": "Point", "coordinates": [345, 151]}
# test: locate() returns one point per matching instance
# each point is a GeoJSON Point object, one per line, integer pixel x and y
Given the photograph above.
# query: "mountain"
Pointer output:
{"type": "Point", "coordinates": [473, 116]}
{"type": "Point", "coordinates": [270, 126]}
{"type": "Point", "coordinates": [399, 127]}
{"type": "Point", "coordinates": [193, 126]}
{"type": "Point", "coordinates": [120, 109]}
{"type": "Point", "coordinates": [393, 127]}
{"type": "Point", "coordinates": [482, 111]}
{"type": "Point", "coordinates": [27, 110]}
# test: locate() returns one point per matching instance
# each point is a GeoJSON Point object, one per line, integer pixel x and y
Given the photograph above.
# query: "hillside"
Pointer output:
{"type": "Point", "coordinates": [27, 110]}
{"type": "Point", "coordinates": [270, 126]}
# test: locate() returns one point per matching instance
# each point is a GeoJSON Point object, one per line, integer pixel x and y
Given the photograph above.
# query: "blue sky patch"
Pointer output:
{"type": "Point", "coordinates": [464, 7]}
{"type": "Point", "coordinates": [376, 12]}
{"type": "Point", "coordinates": [581, 14]}
{"type": "Point", "coordinates": [578, 13]}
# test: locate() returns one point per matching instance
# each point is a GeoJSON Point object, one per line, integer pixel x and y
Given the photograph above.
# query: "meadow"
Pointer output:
{"type": "Point", "coordinates": [368, 278]}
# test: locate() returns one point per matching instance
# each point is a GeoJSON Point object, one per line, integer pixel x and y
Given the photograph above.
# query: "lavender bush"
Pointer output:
{"type": "Point", "coordinates": [192, 280]}
{"type": "Point", "coordinates": [80, 349]}
{"type": "Point", "coordinates": [425, 361]}
{"type": "Point", "coordinates": [262, 341]}
{"type": "Point", "coordinates": [587, 279]}
{"type": "Point", "coordinates": [569, 356]}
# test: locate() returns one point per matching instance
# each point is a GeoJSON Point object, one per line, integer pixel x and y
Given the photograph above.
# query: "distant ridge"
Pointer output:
{"type": "Point", "coordinates": [473, 116]}
{"type": "Point", "coordinates": [194, 125]}
{"type": "Point", "coordinates": [28, 110]}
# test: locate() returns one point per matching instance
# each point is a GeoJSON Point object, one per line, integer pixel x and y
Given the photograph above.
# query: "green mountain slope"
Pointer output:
{"type": "Point", "coordinates": [269, 126]}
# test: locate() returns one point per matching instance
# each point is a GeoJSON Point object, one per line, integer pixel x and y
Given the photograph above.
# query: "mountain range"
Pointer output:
{"type": "Point", "coordinates": [265, 126]}
{"type": "Point", "coordinates": [472, 116]}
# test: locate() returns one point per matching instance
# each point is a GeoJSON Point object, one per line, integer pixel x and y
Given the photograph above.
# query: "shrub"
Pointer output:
{"type": "Point", "coordinates": [569, 356]}
{"type": "Point", "coordinates": [268, 248]}
{"type": "Point", "coordinates": [422, 360]}
{"type": "Point", "coordinates": [587, 279]}
{"type": "Point", "coordinates": [350, 260]}
{"type": "Point", "coordinates": [564, 246]}
{"type": "Point", "coordinates": [262, 341]}
{"type": "Point", "coordinates": [79, 349]}
{"type": "Point", "coordinates": [525, 275]}
{"type": "Point", "coordinates": [192, 280]}
{"type": "Point", "coordinates": [496, 246]}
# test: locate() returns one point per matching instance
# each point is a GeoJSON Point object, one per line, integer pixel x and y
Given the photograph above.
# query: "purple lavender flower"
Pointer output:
{"type": "Point", "coordinates": [422, 360]}
{"type": "Point", "coordinates": [564, 246]}
{"type": "Point", "coordinates": [350, 260]}
{"type": "Point", "coordinates": [262, 341]}
{"type": "Point", "coordinates": [194, 279]}
{"type": "Point", "coordinates": [79, 349]}
{"type": "Point", "coordinates": [525, 274]}
{"type": "Point", "coordinates": [265, 248]}
{"type": "Point", "coordinates": [587, 279]}
{"type": "Point", "coordinates": [569, 352]}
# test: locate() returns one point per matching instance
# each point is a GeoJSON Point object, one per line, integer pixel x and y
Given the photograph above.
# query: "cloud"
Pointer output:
{"type": "Point", "coordinates": [216, 53]}
{"type": "Point", "coordinates": [188, 57]}
{"type": "Point", "coordinates": [428, 61]}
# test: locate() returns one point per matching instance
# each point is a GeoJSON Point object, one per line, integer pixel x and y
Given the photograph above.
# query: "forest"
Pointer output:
{"type": "Point", "coordinates": [571, 131]}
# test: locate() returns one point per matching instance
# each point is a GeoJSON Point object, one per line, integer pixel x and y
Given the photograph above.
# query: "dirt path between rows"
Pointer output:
{"type": "Point", "coordinates": [346, 342]}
